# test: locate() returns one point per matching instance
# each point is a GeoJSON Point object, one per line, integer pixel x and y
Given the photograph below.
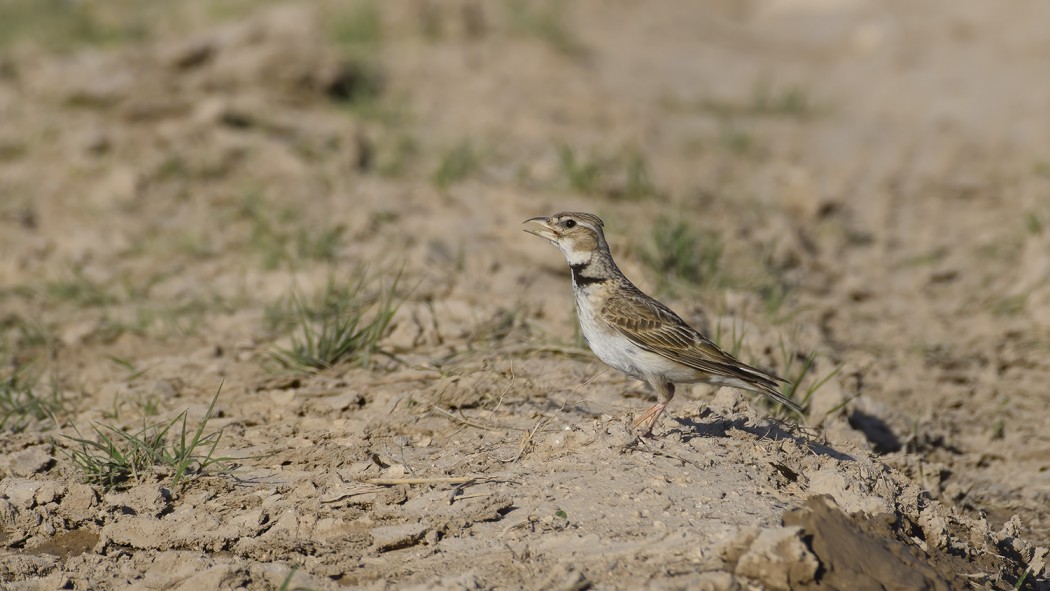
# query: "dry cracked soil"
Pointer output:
{"type": "Point", "coordinates": [268, 319]}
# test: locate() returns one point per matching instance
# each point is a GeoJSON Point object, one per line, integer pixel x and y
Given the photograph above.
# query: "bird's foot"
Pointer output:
{"type": "Point", "coordinates": [649, 418]}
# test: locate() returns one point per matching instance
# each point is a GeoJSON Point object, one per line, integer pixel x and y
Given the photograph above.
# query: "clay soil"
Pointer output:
{"type": "Point", "coordinates": [853, 194]}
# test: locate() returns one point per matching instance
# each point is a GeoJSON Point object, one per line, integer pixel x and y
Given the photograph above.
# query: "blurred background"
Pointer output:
{"type": "Point", "coordinates": [867, 182]}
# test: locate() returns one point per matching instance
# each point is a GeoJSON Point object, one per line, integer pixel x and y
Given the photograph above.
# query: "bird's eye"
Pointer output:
{"type": "Point", "coordinates": [570, 223]}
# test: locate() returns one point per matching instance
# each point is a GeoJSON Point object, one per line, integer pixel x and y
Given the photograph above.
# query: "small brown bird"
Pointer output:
{"type": "Point", "coordinates": [633, 332]}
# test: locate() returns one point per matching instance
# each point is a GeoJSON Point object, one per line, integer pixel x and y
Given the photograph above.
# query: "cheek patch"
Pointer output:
{"type": "Point", "coordinates": [579, 247]}
{"type": "Point", "coordinates": [586, 242]}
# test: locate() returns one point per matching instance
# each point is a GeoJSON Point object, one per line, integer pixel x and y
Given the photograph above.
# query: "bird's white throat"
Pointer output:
{"type": "Point", "coordinates": [575, 257]}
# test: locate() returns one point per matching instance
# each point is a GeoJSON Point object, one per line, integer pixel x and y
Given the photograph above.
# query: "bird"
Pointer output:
{"type": "Point", "coordinates": [636, 334]}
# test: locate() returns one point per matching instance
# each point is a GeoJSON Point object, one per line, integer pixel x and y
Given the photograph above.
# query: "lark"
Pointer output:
{"type": "Point", "coordinates": [633, 332]}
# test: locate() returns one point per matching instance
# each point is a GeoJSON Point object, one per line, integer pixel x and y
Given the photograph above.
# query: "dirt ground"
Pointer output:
{"type": "Point", "coordinates": [186, 187]}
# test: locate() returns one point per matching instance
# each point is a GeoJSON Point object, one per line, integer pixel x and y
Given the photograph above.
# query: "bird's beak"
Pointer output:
{"type": "Point", "coordinates": [541, 227]}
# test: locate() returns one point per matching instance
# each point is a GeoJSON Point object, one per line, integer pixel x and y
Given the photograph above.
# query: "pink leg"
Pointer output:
{"type": "Point", "coordinates": [665, 392]}
{"type": "Point", "coordinates": [650, 416]}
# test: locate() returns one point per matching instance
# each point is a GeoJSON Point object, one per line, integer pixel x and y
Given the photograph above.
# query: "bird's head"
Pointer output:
{"type": "Point", "coordinates": [578, 235]}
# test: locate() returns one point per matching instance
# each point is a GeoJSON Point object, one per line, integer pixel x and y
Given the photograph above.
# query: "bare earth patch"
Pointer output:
{"type": "Point", "coordinates": [314, 211]}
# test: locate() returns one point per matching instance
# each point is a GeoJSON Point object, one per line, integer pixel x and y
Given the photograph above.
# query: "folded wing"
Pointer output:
{"type": "Point", "coordinates": [654, 327]}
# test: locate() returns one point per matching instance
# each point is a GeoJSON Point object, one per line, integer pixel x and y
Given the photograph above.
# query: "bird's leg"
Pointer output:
{"type": "Point", "coordinates": [649, 417]}
{"type": "Point", "coordinates": [664, 393]}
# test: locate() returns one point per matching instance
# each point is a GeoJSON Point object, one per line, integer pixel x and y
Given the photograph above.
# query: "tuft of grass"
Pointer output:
{"type": "Point", "coordinates": [685, 258]}
{"type": "Point", "coordinates": [740, 141]}
{"type": "Point", "coordinates": [175, 319]}
{"type": "Point", "coordinates": [319, 245]}
{"type": "Point", "coordinates": [624, 175]}
{"type": "Point", "coordinates": [547, 22]}
{"type": "Point", "coordinates": [18, 333]}
{"type": "Point", "coordinates": [69, 25]}
{"type": "Point", "coordinates": [358, 84]}
{"type": "Point", "coordinates": [21, 404]}
{"type": "Point", "coordinates": [583, 175]}
{"type": "Point", "coordinates": [774, 295]}
{"type": "Point", "coordinates": [286, 584]}
{"type": "Point", "coordinates": [998, 429]}
{"type": "Point", "coordinates": [268, 236]}
{"type": "Point", "coordinates": [1037, 220]}
{"type": "Point", "coordinates": [1011, 305]}
{"type": "Point", "coordinates": [80, 290]}
{"type": "Point", "coordinates": [791, 101]}
{"type": "Point", "coordinates": [1034, 223]}
{"type": "Point", "coordinates": [456, 165]}
{"type": "Point", "coordinates": [11, 150]}
{"type": "Point", "coordinates": [431, 22]}
{"type": "Point", "coordinates": [502, 324]}
{"type": "Point", "coordinates": [116, 456]}
{"type": "Point", "coordinates": [357, 30]}
{"type": "Point", "coordinates": [731, 342]}
{"type": "Point", "coordinates": [357, 26]}
{"type": "Point", "coordinates": [345, 323]}
{"type": "Point", "coordinates": [798, 369]}
{"type": "Point", "coordinates": [921, 259]}
{"type": "Point", "coordinates": [767, 100]}
{"type": "Point", "coordinates": [162, 319]}
{"type": "Point", "coordinates": [395, 156]}
{"type": "Point", "coordinates": [277, 234]}
{"type": "Point", "coordinates": [64, 26]}
{"type": "Point", "coordinates": [680, 253]}
{"type": "Point", "coordinates": [774, 286]}
{"type": "Point", "coordinates": [144, 406]}
{"type": "Point", "coordinates": [1024, 577]}
{"type": "Point", "coordinates": [638, 183]}
{"type": "Point", "coordinates": [1041, 168]}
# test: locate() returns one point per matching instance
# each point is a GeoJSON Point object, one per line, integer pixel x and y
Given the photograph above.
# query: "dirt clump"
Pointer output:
{"type": "Point", "coordinates": [268, 319]}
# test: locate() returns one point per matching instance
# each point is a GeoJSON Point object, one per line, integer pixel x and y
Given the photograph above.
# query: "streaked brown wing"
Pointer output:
{"type": "Point", "coordinates": [654, 327]}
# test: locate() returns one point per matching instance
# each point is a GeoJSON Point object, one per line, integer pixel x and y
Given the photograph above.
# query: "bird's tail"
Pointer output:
{"type": "Point", "coordinates": [773, 393]}
{"type": "Point", "coordinates": [754, 380]}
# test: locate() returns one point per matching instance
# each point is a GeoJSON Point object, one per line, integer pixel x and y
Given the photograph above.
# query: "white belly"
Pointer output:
{"type": "Point", "coordinates": [619, 352]}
